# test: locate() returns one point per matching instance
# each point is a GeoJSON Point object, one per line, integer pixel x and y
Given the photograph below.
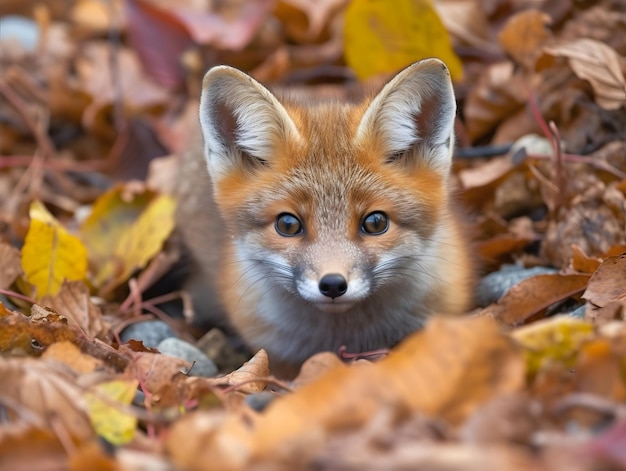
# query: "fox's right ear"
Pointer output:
{"type": "Point", "coordinates": [413, 116]}
{"type": "Point", "coordinates": [241, 121]}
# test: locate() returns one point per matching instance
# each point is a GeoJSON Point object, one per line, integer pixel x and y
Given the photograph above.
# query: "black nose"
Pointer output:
{"type": "Point", "coordinates": [333, 285]}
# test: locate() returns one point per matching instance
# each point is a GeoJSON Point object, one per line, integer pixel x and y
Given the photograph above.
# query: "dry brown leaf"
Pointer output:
{"type": "Point", "coordinates": [447, 370]}
{"type": "Point", "coordinates": [93, 67]}
{"type": "Point", "coordinates": [74, 302]}
{"type": "Point", "coordinates": [506, 418]}
{"type": "Point", "coordinates": [305, 20]}
{"type": "Point", "coordinates": [479, 183]}
{"type": "Point", "coordinates": [69, 354]}
{"type": "Point", "coordinates": [466, 22]}
{"type": "Point", "coordinates": [161, 376]}
{"type": "Point", "coordinates": [257, 367]}
{"type": "Point", "coordinates": [582, 262]}
{"type": "Point", "coordinates": [587, 222]}
{"type": "Point", "coordinates": [39, 393]}
{"type": "Point", "coordinates": [599, 370]}
{"type": "Point", "coordinates": [523, 36]}
{"type": "Point", "coordinates": [533, 295]}
{"type": "Point", "coordinates": [25, 447]}
{"type": "Point", "coordinates": [501, 245]}
{"type": "Point", "coordinates": [597, 63]}
{"type": "Point", "coordinates": [315, 367]}
{"type": "Point", "coordinates": [496, 96]}
{"type": "Point", "coordinates": [10, 265]}
{"type": "Point", "coordinates": [21, 335]}
{"type": "Point", "coordinates": [608, 283]}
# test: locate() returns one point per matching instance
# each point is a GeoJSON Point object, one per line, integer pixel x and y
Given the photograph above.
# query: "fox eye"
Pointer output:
{"type": "Point", "coordinates": [375, 223]}
{"type": "Point", "coordinates": [287, 225]}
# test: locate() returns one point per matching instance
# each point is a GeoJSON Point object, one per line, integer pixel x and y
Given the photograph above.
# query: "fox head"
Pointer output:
{"type": "Point", "coordinates": [328, 204]}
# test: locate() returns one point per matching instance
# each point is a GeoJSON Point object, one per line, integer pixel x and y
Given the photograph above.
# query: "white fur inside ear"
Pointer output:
{"type": "Point", "coordinates": [415, 110]}
{"type": "Point", "coordinates": [239, 116]}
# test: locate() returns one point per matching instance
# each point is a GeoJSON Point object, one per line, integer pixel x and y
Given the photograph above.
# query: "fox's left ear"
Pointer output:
{"type": "Point", "coordinates": [413, 116]}
{"type": "Point", "coordinates": [241, 121]}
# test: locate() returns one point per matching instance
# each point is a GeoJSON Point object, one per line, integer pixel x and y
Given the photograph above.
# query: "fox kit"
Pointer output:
{"type": "Point", "coordinates": [319, 225]}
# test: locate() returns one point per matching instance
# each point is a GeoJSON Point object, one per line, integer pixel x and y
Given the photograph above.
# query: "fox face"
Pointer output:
{"type": "Point", "coordinates": [337, 215]}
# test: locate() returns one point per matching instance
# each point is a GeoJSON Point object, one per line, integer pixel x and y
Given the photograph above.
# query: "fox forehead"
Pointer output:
{"type": "Point", "coordinates": [331, 180]}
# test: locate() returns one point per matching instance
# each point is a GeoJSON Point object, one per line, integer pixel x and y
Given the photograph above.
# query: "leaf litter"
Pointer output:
{"type": "Point", "coordinates": [518, 384]}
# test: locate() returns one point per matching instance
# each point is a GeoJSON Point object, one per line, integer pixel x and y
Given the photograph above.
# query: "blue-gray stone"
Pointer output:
{"type": "Point", "coordinates": [202, 364]}
{"type": "Point", "coordinates": [259, 401]}
{"type": "Point", "coordinates": [579, 312]}
{"type": "Point", "coordinates": [151, 333]}
{"type": "Point", "coordinates": [493, 286]}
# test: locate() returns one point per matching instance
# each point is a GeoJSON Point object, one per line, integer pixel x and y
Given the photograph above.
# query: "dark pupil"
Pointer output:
{"type": "Point", "coordinates": [375, 222]}
{"type": "Point", "coordinates": [288, 224]}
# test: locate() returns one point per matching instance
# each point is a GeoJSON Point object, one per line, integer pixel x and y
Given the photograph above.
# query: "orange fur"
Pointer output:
{"type": "Point", "coordinates": [330, 165]}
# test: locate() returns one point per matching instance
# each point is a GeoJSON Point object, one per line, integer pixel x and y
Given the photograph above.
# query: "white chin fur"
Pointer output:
{"type": "Point", "coordinates": [334, 307]}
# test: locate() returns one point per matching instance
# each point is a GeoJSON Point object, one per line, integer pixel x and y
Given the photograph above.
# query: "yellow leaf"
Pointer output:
{"type": "Point", "coordinates": [124, 231]}
{"type": "Point", "coordinates": [556, 339]}
{"type": "Point", "coordinates": [383, 37]}
{"type": "Point", "coordinates": [50, 254]}
{"type": "Point", "coordinates": [105, 409]}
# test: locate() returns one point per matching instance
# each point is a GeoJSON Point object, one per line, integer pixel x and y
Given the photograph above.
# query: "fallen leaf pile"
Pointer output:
{"type": "Point", "coordinates": [98, 102]}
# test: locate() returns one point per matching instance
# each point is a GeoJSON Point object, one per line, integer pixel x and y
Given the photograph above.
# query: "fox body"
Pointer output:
{"type": "Point", "coordinates": [325, 224]}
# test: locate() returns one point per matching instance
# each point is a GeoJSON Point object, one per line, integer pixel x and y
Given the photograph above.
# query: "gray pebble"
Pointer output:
{"type": "Point", "coordinates": [260, 401]}
{"type": "Point", "coordinates": [202, 365]}
{"type": "Point", "coordinates": [493, 286]}
{"type": "Point", "coordinates": [579, 312]}
{"type": "Point", "coordinates": [151, 333]}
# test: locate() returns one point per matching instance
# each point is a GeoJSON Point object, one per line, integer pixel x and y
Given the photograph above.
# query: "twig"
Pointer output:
{"type": "Point", "coordinates": [13, 294]}
{"type": "Point", "coordinates": [575, 158]}
{"type": "Point", "coordinates": [114, 66]}
{"type": "Point", "coordinates": [43, 141]}
{"type": "Point", "coordinates": [15, 161]}
{"type": "Point", "coordinates": [558, 174]}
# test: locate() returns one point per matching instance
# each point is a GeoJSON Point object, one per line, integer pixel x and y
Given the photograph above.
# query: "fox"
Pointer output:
{"type": "Point", "coordinates": [320, 224]}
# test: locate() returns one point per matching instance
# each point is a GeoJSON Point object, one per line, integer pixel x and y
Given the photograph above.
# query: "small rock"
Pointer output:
{"type": "Point", "coordinates": [579, 312]}
{"type": "Point", "coordinates": [151, 333]}
{"type": "Point", "coordinates": [493, 286]}
{"type": "Point", "coordinates": [202, 364]}
{"type": "Point", "coordinates": [259, 401]}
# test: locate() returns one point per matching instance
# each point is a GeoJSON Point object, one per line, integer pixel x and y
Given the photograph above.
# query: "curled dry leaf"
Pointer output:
{"type": "Point", "coordinates": [524, 34]}
{"type": "Point", "coordinates": [447, 370]}
{"type": "Point", "coordinates": [588, 222]}
{"type": "Point", "coordinates": [21, 335]}
{"type": "Point", "coordinates": [498, 95]}
{"type": "Point", "coordinates": [69, 354]}
{"type": "Point", "coordinates": [74, 301]}
{"type": "Point", "coordinates": [467, 23]}
{"type": "Point", "coordinates": [315, 367]}
{"type": "Point", "coordinates": [257, 367]}
{"type": "Point", "coordinates": [583, 263]}
{"type": "Point", "coordinates": [161, 377]}
{"type": "Point", "coordinates": [597, 63]}
{"type": "Point", "coordinates": [39, 393]}
{"type": "Point", "coordinates": [306, 19]}
{"type": "Point", "coordinates": [599, 368]}
{"type": "Point", "coordinates": [532, 296]}
{"type": "Point", "coordinates": [24, 447]}
{"type": "Point", "coordinates": [10, 265]}
{"type": "Point", "coordinates": [97, 79]}
{"type": "Point", "coordinates": [608, 283]}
